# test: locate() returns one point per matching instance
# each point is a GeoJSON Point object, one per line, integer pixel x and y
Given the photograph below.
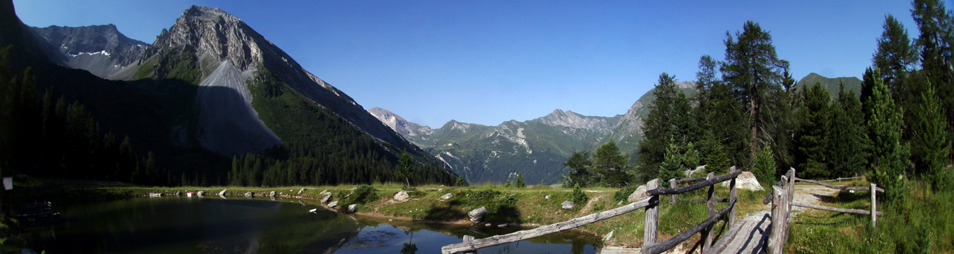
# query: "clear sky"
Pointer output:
{"type": "Point", "coordinates": [490, 61]}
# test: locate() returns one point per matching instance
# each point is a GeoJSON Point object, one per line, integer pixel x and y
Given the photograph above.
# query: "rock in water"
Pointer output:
{"type": "Point", "coordinates": [447, 196]}
{"type": "Point", "coordinates": [313, 210]}
{"type": "Point", "coordinates": [200, 193]}
{"type": "Point", "coordinates": [352, 208]}
{"type": "Point", "coordinates": [745, 181]}
{"type": "Point", "coordinates": [249, 194]}
{"type": "Point", "coordinates": [271, 194]}
{"type": "Point", "coordinates": [401, 196]}
{"type": "Point", "coordinates": [568, 204]}
{"type": "Point", "coordinates": [301, 191]}
{"type": "Point", "coordinates": [222, 193]}
{"type": "Point", "coordinates": [333, 204]}
{"type": "Point", "coordinates": [477, 215]}
{"type": "Point", "coordinates": [639, 194]}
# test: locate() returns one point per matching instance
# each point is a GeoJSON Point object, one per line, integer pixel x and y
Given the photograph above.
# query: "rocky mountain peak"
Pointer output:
{"type": "Point", "coordinates": [214, 36]}
{"type": "Point", "coordinates": [398, 124]}
{"type": "Point", "coordinates": [574, 120]}
{"type": "Point", "coordinates": [102, 49]}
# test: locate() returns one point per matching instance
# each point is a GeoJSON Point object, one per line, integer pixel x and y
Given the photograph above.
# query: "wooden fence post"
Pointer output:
{"type": "Point", "coordinates": [672, 184]}
{"type": "Point", "coordinates": [652, 215]}
{"type": "Point", "coordinates": [874, 205]}
{"type": "Point", "coordinates": [731, 196]}
{"type": "Point", "coordinates": [776, 236]}
{"type": "Point", "coordinates": [711, 204]}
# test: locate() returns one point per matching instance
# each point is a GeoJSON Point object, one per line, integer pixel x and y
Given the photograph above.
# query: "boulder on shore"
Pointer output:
{"type": "Point", "coordinates": [326, 199]}
{"type": "Point", "coordinates": [746, 181]}
{"type": "Point", "coordinates": [568, 204]}
{"type": "Point", "coordinates": [401, 196]}
{"type": "Point", "coordinates": [301, 191]}
{"type": "Point", "coordinates": [271, 194]}
{"type": "Point", "coordinates": [638, 195]}
{"type": "Point", "coordinates": [333, 204]}
{"type": "Point", "coordinates": [352, 208]}
{"type": "Point", "coordinates": [477, 215]}
{"type": "Point", "coordinates": [222, 193]}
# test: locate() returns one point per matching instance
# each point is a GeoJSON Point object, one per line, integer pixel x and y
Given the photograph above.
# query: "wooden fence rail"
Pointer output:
{"type": "Point", "coordinates": [650, 228]}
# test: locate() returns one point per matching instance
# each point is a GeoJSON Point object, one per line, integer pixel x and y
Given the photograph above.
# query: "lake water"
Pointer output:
{"type": "Point", "coordinates": [215, 225]}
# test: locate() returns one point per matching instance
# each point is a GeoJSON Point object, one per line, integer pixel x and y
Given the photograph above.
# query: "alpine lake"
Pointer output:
{"type": "Point", "coordinates": [241, 225]}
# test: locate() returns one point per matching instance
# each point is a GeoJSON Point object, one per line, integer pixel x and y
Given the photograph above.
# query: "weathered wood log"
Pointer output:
{"type": "Point", "coordinates": [716, 200]}
{"type": "Point", "coordinates": [672, 242]}
{"type": "Point", "coordinates": [732, 187]}
{"type": "Point", "coordinates": [695, 186]}
{"type": "Point", "coordinates": [842, 179]}
{"type": "Point", "coordinates": [690, 180]}
{"type": "Point", "coordinates": [711, 205]}
{"type": "Point", "coordinates": [672, 184]}
{"type": "Point", "coordinates": [782, 182]}
{"type": "Point", "coordinates": [834, 209]}
{"type": "Point", "coordinates": [874, 206]}
{"type": "Point", "coordinates": [470, 244]}
{"type": "Point", "coordinates": [776, 232]}
{"type": "Point", "coordinates": [652, 214]}
{"type": "Point", "coordinates": [840, 187]}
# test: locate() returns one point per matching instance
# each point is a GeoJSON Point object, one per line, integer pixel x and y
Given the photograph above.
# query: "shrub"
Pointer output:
{"type": "Point", "coordinates": [623, 194]}
{"type": "Point", "coordinates": [360, 195]}
{"type": "Point", "coordinates": [490, 199]}
{"type": "Point", "coordinates": [577, 196]}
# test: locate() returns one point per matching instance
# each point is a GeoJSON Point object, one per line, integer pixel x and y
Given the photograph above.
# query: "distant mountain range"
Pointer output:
{"type": "Point", "coordinates": [537, 148]}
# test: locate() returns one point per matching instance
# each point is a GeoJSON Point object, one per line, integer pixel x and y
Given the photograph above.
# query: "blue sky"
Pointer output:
{"type": "Point", "coordinates": [491, 61]}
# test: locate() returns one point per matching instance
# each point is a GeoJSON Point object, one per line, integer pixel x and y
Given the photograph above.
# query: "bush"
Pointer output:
{"type": "Point", "coordinates": [577, 196]}
{"type": "Point", "coordinates": [623, 194]}
{"type": "Point", "coordinates": [360, 195]}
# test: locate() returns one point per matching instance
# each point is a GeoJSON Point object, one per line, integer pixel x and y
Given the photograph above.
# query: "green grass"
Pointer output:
{"type": "Point", "coordinates": [923, 223]}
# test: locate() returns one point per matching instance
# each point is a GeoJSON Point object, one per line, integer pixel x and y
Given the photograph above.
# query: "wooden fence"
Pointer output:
{"type": "Point", "coordinates": [650, 232]}
{"type": "Point", "coordinates": [782, 198]}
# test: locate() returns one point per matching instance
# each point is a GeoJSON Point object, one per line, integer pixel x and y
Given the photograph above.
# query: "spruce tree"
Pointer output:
{"type": "Point", "coordinates": [848, 140]}
{"type": "Point", "coordinates": [889, 154]}
{"type": "Point", "coordinates": [811, 138]}
{"type": "Point", "coordinates": [672, 165]}
{"type": "Point", "coordinates": [895, 57]}
{"type": "Point", "coordinates": [932, 148]}
{"type": "Point", "coordinates": [753, 71]}
{"type": "Point", "coordinates": [659, 125]}
{"type": "Point", "coordinates": [611, 166]}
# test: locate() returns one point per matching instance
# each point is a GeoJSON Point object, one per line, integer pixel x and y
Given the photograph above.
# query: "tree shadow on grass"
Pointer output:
{"type": "Point", "coordinates": [445, 211]}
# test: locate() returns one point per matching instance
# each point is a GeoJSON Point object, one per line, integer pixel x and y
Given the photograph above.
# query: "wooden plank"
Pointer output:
{"type": "Point", "coordinates": [834, 209]}
{"type": "Point", "coordinates": [652, 214]}
{"type": "Point", "coordinates": [711, 205]}
{"type": "Point", "coordinates": [672, 242]}
{"type": "Point", "coordinates": [475, 244]}
{"type": "Point", "coordinates": [726, 239]}
{"type": "Point", "coordinates": [840, 187]}
{"type": "Point", "coordinates": [695, 186]}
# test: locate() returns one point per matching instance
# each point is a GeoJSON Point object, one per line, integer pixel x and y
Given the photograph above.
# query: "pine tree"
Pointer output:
{"type": "Point", "coordinates": [672, 165]}
{"type": "Point", "coordinates": [580, 166]}
{"type": "Point", "coordinates": [889, 154]}
{"type": "Point", "coordinates": [932, 148]}
{"type": "Point", "coordinates": [936, 27]}
{"type": "Point", "coordinates": [895, 56]}
{"type": "Point", "coordinates": [812, 136]}
{"type": "Point", "coordinates": [847, 151]}
{"type": "Point", "coordinates": [519, 182]}
{"type": "Point", "coordinates": [611, 166]}
{"type": "Point", "coordinates": [753, 71]}
{"type": "Point", "coordinates": [764, 168]}
{"type": "Point", "coordinates": [404, 167]}
{"type": "Point", "coordinates": [659, 125]}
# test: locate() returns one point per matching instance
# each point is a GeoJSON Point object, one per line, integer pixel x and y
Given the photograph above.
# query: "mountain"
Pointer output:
{"type": "Point", "coordinates": [536, 148]}
{"type": "Point", "coordinates": [628, 132]}
{"type": "Point", "coordinates": [209, 88]}
{"type": "Point", "coordinates": [832, 84]}
{"type": "Point", "coordinates": [413, 132]}
{"type": "Point", "coordinates": [101, 50]}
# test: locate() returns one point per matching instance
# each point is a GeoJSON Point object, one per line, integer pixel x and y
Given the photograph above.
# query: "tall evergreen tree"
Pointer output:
{"type": "Point", "coordinates": [580, 166]}
{"type": "Point", "coordinates": [668, 117]}
{"type": "Point", "coordinates": [811, 138]}
{"type": "Point", "coordinates": [672, 165]}
{"type": "Point", "coordinates": [889, 154]}
{"type": "Point", "coordinates": [936, 27]}
{"type": "Point", "coordinates": [753, 71]}
{"type": "Point", "coordinates": [611, 166]}
{"type": "Point", "coordinates": [895, 57]}
{"type": "Point", "coordinates": [932, 148]}
{"type": "Point", "coordinates": [848, 140]}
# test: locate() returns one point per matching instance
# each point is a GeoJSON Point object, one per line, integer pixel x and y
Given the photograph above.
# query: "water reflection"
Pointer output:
{"type": "Point", "coordinates": [214, 225]}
